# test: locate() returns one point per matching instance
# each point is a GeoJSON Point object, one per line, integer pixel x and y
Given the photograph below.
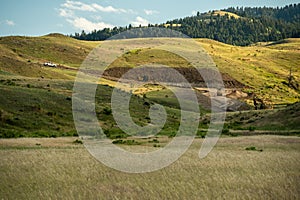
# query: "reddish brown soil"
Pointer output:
{"type": "Point", "coordinates": [156, 74]}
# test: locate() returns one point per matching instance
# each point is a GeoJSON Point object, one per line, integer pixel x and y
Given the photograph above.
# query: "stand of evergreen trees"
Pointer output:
{"type": "Point", "coordinates": [259, 24]}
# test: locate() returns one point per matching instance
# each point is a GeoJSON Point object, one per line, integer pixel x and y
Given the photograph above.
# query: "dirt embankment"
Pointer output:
{"type": "Point", "coordinates": [206, 77]}
{"type": "Point", "coordinates": [200, 80]}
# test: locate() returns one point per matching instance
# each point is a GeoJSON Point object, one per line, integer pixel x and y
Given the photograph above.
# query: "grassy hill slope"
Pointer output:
{"type": "Point", "coordinates": [26, 55]}
{"type": "Point", "coordinates": [221, 13]}
{"type": "Point", "coordinates": [36, 100]}
{"type": "Point", "coordinates": [278, 121]}
{"type": "Point", "coordinates": [263, 67]}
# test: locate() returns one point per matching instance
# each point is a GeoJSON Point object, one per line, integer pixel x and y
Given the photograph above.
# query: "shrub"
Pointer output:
{"type": "Point", "coordinates": [251, 128]}
{"type": "Point", "coordinates": [132, 142]}
{"type": "Point", "coordinates": [115, 133]}
{"type": "Point", "coordinates": [154, 141]}
{"type": "Point", "coordinates": [78, 142]}
{"type": "Point", "coordinates": [127, 142]}
{"type": "Point", "coordinates": [51, 113]}
{"type": "Point", "coordinates": [201, 134]}
{"type": "Point", "coordinates": [118, 142]}
{"type": "Point", "coordinates": [225, 131]}
{"type": "Point", "coordinates": [173, 134]}
{"type": "Point", "coordinates": [251, 148]}
{"type": "Point", "coordinates": [233, 134]}
{"type": "Point", "coordinates": [107, 111]}
{"type": "Point", "coordinates": [106, 132]}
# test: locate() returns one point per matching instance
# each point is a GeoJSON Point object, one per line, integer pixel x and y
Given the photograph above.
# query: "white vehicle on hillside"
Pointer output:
{"type": "Point", "coordinates": [50, 64]}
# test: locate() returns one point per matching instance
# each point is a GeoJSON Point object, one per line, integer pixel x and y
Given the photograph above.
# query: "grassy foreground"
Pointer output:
{"type": "Point", "coordinates": [56, 168]}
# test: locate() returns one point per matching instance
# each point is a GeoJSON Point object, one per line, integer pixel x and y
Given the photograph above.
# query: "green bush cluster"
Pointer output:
{"type": "Point", "coordinates": [126, 142]}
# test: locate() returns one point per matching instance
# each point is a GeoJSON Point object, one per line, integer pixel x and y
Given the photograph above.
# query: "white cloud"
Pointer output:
{"type": "Point", "coordinates": [66, 13]}
{"type": "Point", "coordinates": [96, 17]}
{"type": "Point", "coordinates": [108, 9]}
{"type": "Point", "coordinates": [140, 21]}
{"type": "Point", "coordinates": [77, 5]}
{"type": "Point", "coordinates": [150, 12]}
{"type": "Point", "coordinates": [69, 10]}
{"type": "Point", "coordinates": [10, 22]}
{"type": "Point", "coordinates": [84, 24]}
{"type": "Point", "coordinates": [194, 12]}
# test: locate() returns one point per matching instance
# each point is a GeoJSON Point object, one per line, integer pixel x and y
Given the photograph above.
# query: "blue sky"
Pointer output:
{"type": "Point", "coordinates": [40, 17]}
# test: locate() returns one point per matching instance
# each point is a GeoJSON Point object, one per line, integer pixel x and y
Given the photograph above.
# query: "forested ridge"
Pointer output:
{"type": "Point", "coordinates": [237, 26]}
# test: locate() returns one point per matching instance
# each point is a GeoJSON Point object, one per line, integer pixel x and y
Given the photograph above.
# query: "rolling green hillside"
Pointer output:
{"type": "Point", "coordinates": [26, 55]}
{"type": "Point", "coordinates": [263, 67]}
{"type": "Point", "coordinates": [36, 100]}
{"type": "Point", "coordinates": [259, 66]}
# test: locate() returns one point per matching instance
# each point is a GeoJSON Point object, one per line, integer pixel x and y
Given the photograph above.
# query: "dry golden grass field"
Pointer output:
{"type": "Point", "coordinates": [37, 102]}
{"type": "Point", "coordinates": [57, 168]}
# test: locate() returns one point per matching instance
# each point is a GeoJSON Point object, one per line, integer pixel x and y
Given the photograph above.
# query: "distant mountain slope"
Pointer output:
{"type": "Point", "coordinates": [236, 26]}
{"type": "Point", "coordinates": [222, 13]}
{"type": "Point", "coordinates": [288, 13]}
